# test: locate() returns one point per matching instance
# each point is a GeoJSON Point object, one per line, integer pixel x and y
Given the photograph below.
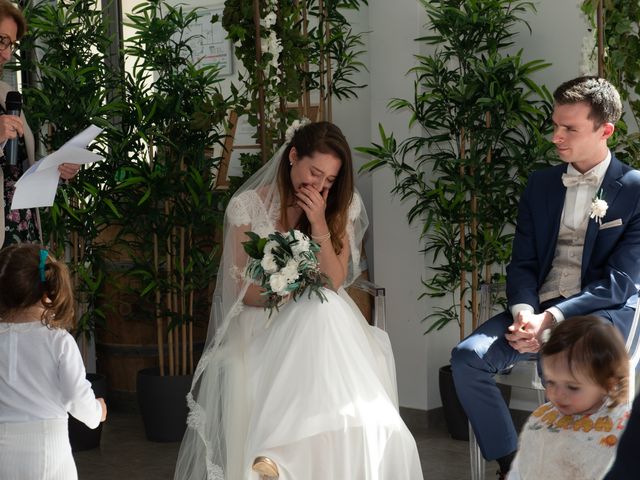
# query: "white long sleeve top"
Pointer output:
{"type": "Point", "coordinates": [42, 376]}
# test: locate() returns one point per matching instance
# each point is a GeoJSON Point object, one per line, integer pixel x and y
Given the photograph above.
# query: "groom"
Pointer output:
{"type": "Point", "coordinates": [569, 257]}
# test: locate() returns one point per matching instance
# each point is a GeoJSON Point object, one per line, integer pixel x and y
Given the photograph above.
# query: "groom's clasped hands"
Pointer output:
{"type": "Point", "coordinates": [525, 334]}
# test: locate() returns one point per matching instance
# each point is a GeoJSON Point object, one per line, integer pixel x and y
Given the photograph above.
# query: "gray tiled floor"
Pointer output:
{"type": "Point", "coordinates": [126, 454]}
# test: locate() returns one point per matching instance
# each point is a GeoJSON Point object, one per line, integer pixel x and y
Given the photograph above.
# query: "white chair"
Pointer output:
{"type": "Point", "coordinates": [378, 314]}
{"type": "Point", "coordinates": [525, 374]}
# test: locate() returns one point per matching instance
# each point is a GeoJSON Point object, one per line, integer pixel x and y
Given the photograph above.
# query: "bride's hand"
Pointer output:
{"type": "Point", "coordinates": [313, 203]}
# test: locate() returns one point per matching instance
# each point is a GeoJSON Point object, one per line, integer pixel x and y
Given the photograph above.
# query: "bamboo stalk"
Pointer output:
{"type": "Point", "coordinates": [321, 89]}
{"type": "Point", "coordinates": [175, 303]}
{"type": "Point", "coordinates": [328, 68]}
{"type": "Point", "coordinates": [487, 266]}
{"type": "Point", "coordinates": [169, 263]}
{"type": "Point", "coordinates": [463, 273]}
{"type": "Point", "coordinates": [190, 312]}
{"type": "Point", "coordinates": [159, 322]}
{"type": "Point", "coordinates": [600, 32]}
{"type": "Point", "coordinates": [474, 260]}
{"type": "Point", "coordinates": [260, 77]}
{"type": "Point", "coordinates": [488, 161]}
{"type": "Point", "coordinates": [182, 302]}
{"type": "Point", "coordinates": [191, 300]}
{"type": "Point", "coordinates": [306, 93]}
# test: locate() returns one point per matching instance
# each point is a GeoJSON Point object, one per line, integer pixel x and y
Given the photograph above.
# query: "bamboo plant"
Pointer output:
{"type": "Point", "coordinates": [483, 120]}
{"type": "Point", "coordinates": [166, 191]}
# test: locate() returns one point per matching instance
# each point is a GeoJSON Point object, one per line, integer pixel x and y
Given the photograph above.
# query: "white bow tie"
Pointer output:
{"type": "Point", "coordinates": [589, 178]}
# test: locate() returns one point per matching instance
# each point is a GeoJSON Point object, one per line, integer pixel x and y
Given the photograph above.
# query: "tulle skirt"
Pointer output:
{"type": "Point", "coordinates": [313, 388]}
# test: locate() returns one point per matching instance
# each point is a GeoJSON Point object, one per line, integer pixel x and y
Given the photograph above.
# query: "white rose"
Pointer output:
{"type": "Point", "coordinates": [299, 247]}
{"type": "Point", "coordinates": [278, 283]}
{"type": "Point", "coordinates": [270, 247]}
{"type": "Point", "coordinates": [598, 209]}
{"type": "Point", "coordinates": [290, 271]}
{"type": "Point", "coordinates": [269, 263]}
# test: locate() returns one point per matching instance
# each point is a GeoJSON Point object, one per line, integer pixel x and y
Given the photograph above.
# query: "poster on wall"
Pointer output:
{"type": "Point", "coordinates": [209, 43]}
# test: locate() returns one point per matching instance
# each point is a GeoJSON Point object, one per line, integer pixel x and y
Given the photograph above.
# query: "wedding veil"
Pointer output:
{"type": "Point", "coordinates": [206, 449]}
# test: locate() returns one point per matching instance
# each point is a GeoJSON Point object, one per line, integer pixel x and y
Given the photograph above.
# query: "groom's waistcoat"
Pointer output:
{"type": "Point", "coordinates": [564, 278]}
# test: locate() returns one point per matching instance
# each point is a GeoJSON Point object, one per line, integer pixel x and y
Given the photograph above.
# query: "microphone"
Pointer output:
{"type": "Point", "coordinates": [13, 107]}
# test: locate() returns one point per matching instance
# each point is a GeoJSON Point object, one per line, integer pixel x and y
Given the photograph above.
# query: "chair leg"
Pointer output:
{"type": "Point", "coordinates": [477, 460]}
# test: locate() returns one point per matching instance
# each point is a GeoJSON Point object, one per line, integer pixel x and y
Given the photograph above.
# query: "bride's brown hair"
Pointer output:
{"type": "Point", "coordinates": [320, 137]}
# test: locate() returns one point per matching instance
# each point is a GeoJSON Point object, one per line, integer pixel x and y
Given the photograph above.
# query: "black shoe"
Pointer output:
{"type": "Point", "coordinates": [500, 475]}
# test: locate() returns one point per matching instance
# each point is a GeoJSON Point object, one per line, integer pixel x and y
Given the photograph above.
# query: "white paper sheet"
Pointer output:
{"type": "Point", "coordinates": [37, 186]}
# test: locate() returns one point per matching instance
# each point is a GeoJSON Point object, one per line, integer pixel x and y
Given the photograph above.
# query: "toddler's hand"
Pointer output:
{"type": "Point", "coordinates": [104, 409]}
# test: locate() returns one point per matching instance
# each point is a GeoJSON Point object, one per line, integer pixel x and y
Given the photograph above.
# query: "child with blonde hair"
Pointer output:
{"type": "Point", "coordinates": [574, 435]}
{"type": "Point", "coordinates": [42, 376]}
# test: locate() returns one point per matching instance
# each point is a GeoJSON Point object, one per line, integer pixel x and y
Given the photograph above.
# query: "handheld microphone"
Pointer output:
{"type": "Point", "coordinates": [13, 105]}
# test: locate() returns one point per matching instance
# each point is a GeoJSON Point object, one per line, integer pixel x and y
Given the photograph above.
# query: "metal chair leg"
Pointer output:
{"type": "Point", "coordinates": [477, 460]}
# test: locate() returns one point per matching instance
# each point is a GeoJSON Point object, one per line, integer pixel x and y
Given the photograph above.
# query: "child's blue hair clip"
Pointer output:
{"type": "Point", "coordinates": [43, 259]}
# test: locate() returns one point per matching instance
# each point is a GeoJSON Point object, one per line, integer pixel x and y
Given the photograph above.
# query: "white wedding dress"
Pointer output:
{"type": "Point", "coordinates": [313, 387]}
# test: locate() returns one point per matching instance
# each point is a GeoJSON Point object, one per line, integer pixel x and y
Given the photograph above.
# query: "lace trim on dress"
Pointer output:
{"type": "Point", "coordinates": [249, 209]}
{"type": "Point", "coordinates": [214, 472]}
{"type": "Point", "coordinates": [196, 416]}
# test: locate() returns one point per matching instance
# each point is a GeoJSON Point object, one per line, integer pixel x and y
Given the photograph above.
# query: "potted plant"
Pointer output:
{"type": "Point", "coordinates": [166, 201]}
{"type": "Point", "coordinates": [483, 122]}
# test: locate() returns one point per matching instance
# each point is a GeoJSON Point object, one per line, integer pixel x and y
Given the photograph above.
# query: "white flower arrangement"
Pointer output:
{"type": "Point", "coordinates": [284, 264]}
{"type": "Point", "coordinates": [272, 45]}
{"type": "Point", "coordinates": [598, 208]}
{"type": "Point", "coordinates": [293, 128]}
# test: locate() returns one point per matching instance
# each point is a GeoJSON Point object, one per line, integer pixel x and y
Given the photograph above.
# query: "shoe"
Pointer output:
{"type": "Point", "coordinates": [266, 467]}
{"type": "Point", "coordinates": [500, 475]}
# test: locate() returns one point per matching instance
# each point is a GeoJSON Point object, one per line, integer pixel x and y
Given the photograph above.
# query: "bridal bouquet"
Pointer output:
{"type": "Point", "coordinates": [284, 264]}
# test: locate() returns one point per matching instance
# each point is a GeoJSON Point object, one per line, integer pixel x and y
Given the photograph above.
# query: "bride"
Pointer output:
{"type": "Point", "coordinates": [310, 393]}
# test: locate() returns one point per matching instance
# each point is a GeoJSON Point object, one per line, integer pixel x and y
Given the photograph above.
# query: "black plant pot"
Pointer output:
{"type": "Point", "coordinates": [454, 415]}
{"type": "Point", "coordinates": [163, 404]}
{"type": "Point", "coordinates": [82, 437]}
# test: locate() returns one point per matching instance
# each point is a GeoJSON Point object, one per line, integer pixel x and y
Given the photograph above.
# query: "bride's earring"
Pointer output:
{"type": "Point", "coordinates": [266, 467]}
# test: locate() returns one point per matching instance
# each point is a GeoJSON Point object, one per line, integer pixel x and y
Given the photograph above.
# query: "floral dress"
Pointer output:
{"type": "Point", "coordinates": [20, 225]}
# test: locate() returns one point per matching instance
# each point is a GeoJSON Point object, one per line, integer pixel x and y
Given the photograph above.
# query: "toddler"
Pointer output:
{"type": "Point", "coordinates": [42, 376]}
{"type": "Point", "coordinates": [575, 434]}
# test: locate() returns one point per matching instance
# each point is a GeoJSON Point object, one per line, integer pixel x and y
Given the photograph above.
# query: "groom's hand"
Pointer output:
{"type": "Point", "coordinates": [526, 331]}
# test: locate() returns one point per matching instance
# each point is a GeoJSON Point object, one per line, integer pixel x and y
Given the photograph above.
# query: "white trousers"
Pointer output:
{"type": "Point", "coordinates": [36, 450]}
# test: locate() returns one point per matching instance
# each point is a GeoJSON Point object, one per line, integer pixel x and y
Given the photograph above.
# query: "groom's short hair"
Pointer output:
{"type": "Point", "coordinates": [604, 99]}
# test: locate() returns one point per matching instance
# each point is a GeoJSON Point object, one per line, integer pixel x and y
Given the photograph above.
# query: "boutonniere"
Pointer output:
{"type": "Point", "coordinates": [598, 207]}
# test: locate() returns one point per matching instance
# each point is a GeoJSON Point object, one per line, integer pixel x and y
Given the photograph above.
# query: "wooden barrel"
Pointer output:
{"type": "Point", "coordinates": [128, 342]}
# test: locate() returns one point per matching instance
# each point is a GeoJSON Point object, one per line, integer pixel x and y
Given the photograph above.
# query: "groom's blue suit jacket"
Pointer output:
{"type": "Point", "coordinates": [611, 256]}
